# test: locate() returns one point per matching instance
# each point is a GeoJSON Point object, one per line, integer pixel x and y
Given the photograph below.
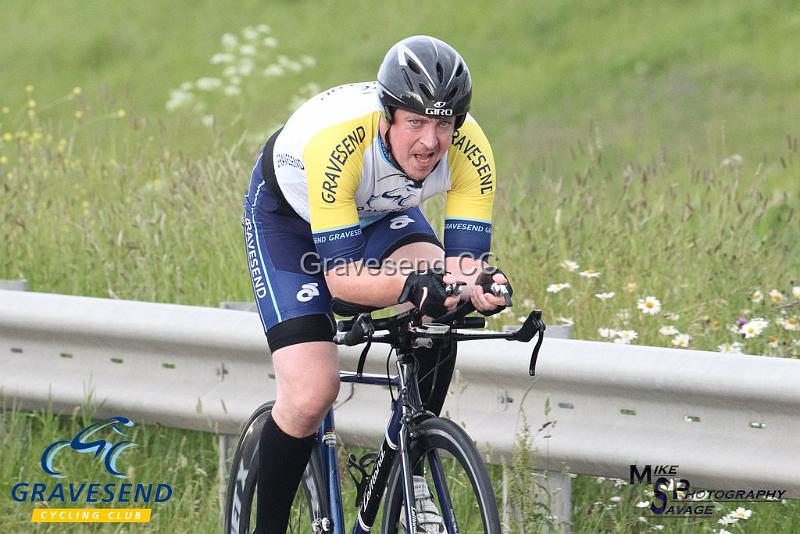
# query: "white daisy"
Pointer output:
{"type": "Point", "coordinates": [741, 513]}
{"type": "Point", "coordinates": [753, 328]}
{"type": "Point", "coordinates": [682, 340]}
{"type": "Point", "coordinates": [589, 273]}
{"type": "Point", "coordinates": [605, 296]}
{"type": "Point", "coordinates": [796, 292]}
{"type": "Point", "coordinates": [649, 305]}
{"type": "Point", "coordinates": [668, 330]}
{"type": "Point", "coordinates": [570, 265]}
{"type": "Point", "coordinates": [731, 348]}
{"type": "Point", "coordinates": [626, 336]}
{"type": "Point", "coordinates": [789, 323]}
{"type": "Point", "coordinates": [607, 332]}
{"type": "Point", "coordinates": [642, 504]}
{"type": "Point", "coordinates": [756, 296]}
{"type": "Point", "coordinates": [776, 296]}
{"type": "Point", "coordinates": [209, 84]}
{"type": "Point", "coordinates": [555, 288]}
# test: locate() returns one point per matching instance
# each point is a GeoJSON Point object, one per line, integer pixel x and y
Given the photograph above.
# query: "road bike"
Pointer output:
{"type": "Point", "coordinates": [419, 449]}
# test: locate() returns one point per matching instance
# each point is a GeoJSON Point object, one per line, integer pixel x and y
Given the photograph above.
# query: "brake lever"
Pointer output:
{"type": "Point", "coordinates": [532, 326]}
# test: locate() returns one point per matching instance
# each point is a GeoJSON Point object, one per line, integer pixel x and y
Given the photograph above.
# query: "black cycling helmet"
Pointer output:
{"type": "Point", "coordinates": [427, 76]}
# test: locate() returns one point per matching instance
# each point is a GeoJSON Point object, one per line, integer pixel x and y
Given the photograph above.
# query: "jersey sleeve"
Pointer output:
{"type": "Point", "coordinates": [468, 212]}
{"type": "Point", "coordinates": [334, 159]}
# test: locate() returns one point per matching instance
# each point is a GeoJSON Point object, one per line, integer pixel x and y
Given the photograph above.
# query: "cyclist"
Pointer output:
{"type": "Point", "coordinates": [333, 211]}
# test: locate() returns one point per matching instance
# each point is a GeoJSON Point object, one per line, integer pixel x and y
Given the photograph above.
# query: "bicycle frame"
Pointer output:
{"type": "Point", "coordinates": [406, 406]}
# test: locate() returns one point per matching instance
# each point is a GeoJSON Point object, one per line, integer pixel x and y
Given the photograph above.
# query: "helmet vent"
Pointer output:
{"type": "Point", "coordinates": [460, 69]}
{"type": "Point", "coordinates": [451, 94]}
{"type": "Point", "coordinates": [426, 91]}
{"type": "Point", "coordinates": [413, 66]}
{"type": "Point", "coordinates": [408, 81]}
{"type": "Point", "coordinates": [439, 72]}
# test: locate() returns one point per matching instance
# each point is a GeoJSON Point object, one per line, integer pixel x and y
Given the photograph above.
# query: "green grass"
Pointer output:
{"type": "Point", "coordinates": [188, 462]}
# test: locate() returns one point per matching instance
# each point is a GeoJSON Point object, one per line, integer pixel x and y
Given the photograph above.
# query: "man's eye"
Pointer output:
{"type": "Point", "coordinates": [414, 122]}
{"type": "Point", "coordinates": [445, 124]}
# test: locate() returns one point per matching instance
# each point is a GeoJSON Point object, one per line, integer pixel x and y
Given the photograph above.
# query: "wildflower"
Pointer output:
{"type": "Point", "coordinates": [522, 318]}
{"type": "Point", "coordinates": [753, 328]}
{"type": "Point", "coordinates": [209, 84]}
{"type": "Point", "coordinates": [178, 98]}
{"type": "Point", "coordinates": [247, 50]}
{"type": "Point", "coordinates": [527, 303]}
{"type": "Point", "coordinates": [671, 487]}
{"type": "Point", "coordinates": [630, 287]}
{"type": "Point", "coordinates": [658, 527]}
{"type": "Point", "coordinates": [732, 348]}
{"type": "Point", "coordinates": [723, 531]}
{"type": "Point", "coordinates": [756, 296]}
{"type": "Point", "coordinates": [589, 273]}
{"type": "Point", "coordinates": [28, 88]}
{"type": "Point", "coordinates": [207, 120]}
{"type": "Point", "coordinates": [216, 59]}
{"type": "Point", "coordinates": [624, 315]}
{"type": "Point", "coordinates": [308, 61]}
{"type": "Point", "coordinates": [727, 520]}
{"type": "Point", "coordinates": [615, 498]}
{"type": "Point", "coordinates": [8, 137]}
{"type": "Point", "coordinates": [229, 41]}
{"type": "Point", "coordinates": [3, 160]}
{"type": "Point", "coordinates": [555, 288]}
{"type": "Point", "coordinates": [85, 206]}
{"type": "Point", "coordinates": [776, 296]}
{"type": "Point", "coordinates": [682, 340]}
{"type": "Point", "coordinates": [250, 33]}
{"type": "Point", "coordinates": [570, 265]}
{"type": "Point", "coordinates": [649, 305]}
{"type": "Point", "coordinates": [715, 325]}
{"type": "Point", "coordinates": [246, 67]}
{"type": "Point", "coordinates": [270, 42]}
{"type": "Point", "coordinates": [121, 113]}
{"type": "Point", "coordinates": [626, 336]}
{"type": "Point", "coordinates": [741, 513]}
{"type": "Point", "coordinates": [607, 332]}
{"type": "Point", "coordinates": [232, 90]}
{"type": "Point", "coordinates": [642, 504]}
{"type": "Point", "coordinates": [76, 90]}
{"type": "Point", "coordinates": [670, 316]}
{"type": "Point", "coordinates": [605, 296]}
{"type": "Point", "coordinates": [78, 115]}
{"type": "Point", "coordinates": [733, 161]}
{"type": "Point", "coordinates": [7, 110]}
{"type": "Point", "coordinates": [795, 289]}
{"type": "Point", "coordinates": [772, 341]}
{"type": "Point", "coordinates": [31, 103]}
{"type": "Point", "coordinates": [273, 70]}
{"type": "Point", "coordinates": [668, 330]}
{"type": "Point", "coordinates": [789, 323]}
{"type": "Point", "coordinates": [263, 28]}
{"type": "Point", "coordinates": [642, 519]}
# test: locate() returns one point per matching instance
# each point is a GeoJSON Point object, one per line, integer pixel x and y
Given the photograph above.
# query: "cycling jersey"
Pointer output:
{"type": "Point", "coordinates": [332, 168]}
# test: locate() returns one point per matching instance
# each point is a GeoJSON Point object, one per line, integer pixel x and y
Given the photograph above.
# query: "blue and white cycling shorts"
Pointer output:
{"type": "Point", "coordinates": [288, 281]}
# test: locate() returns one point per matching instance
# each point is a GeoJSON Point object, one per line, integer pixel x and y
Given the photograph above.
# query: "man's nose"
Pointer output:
{"type": "Point", "coordinates": [428, 136]}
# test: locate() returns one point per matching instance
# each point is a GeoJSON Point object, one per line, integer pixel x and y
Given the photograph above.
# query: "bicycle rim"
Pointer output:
{"type": "Point", "coordinates": [310, 503]}
{"type": "Point", "coordinates": [461, 480]}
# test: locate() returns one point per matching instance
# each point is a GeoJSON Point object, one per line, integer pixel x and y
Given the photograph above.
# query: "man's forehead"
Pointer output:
{"type": "Point", "coordinates": [408, 114]}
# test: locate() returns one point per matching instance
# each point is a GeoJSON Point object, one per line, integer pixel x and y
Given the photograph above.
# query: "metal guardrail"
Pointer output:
{"type": "Point", "coordinates": [727, 421]}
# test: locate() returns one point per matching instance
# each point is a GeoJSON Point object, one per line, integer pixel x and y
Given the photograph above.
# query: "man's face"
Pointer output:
{"type": "Point", "coordinates": [419, 141]}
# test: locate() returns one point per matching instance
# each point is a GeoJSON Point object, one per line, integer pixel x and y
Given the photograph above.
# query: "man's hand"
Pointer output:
{"type": "Point", "coordinates": [426, 290]}
{"type": "Point", "coordinates": [485, 301]}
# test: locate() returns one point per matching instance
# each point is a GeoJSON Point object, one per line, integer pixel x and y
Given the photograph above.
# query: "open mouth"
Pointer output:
{"type": "Point", "coordinates": [424, 159]}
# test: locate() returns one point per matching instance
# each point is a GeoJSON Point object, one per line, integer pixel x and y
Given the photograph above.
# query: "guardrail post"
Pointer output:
{"type": "Point", "coordinates": [14, 285]}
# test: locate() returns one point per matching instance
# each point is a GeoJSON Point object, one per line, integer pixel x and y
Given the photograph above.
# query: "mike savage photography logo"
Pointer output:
{"type": "Point", "coordinates": [675, 497]}
{"type": "Point", "coordinates": [105, 442]}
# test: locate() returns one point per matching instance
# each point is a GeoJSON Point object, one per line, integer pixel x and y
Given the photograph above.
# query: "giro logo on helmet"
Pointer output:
{"type": "Point", "coordinates": [440, 112]}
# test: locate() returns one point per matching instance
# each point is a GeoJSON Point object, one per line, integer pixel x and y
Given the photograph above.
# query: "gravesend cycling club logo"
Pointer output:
{"type": "Point", "coordinates": [104, 442]}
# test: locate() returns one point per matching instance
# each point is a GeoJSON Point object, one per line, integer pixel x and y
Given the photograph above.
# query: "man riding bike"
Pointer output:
{"type": "Point", "coordinates": [333, 212]}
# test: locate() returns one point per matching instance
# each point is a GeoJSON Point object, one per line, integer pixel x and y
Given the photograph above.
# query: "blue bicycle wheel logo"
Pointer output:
{"type": "Point", "coordinates": [104, 451]}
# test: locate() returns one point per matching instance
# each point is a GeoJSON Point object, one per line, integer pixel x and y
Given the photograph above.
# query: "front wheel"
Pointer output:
{"type": "Point", "coordinates": [310, 507]}
{"type": "Point", "coordinates": [462, 494]}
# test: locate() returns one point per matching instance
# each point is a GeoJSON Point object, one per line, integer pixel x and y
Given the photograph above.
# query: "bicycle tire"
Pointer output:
{"type": "Point", "coordinates": [309, 508]}
{"type": "Point", "coordinates": [463, 463]}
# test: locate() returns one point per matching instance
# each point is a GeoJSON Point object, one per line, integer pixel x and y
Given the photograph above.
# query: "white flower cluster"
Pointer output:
{"type": "Point", "coordinates": [625, 337]}
{"type": "Point", "coordinates": [243, 56]}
